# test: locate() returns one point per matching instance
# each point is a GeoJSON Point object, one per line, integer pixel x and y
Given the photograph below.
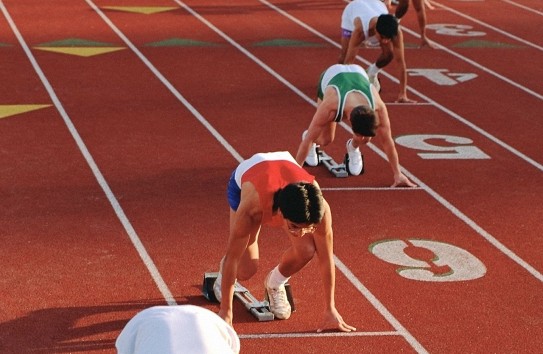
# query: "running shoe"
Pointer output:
{"type": "Point", "coordinates": [217, 290]}
{"type": "Point", "coordinates": [312, 158]}
{"type": "Point", "coordinates": [354, 163]}
{"type": "Point", "coordinates": [374, 80]}
{"type": "Point", "coordinates": [277, 298]}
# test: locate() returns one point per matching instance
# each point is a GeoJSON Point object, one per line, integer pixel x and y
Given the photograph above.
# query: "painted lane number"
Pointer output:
{"type": "Point", "coordinates": [428, 260]}
{"type": "Point", "coordinates": [455, 30]}
{"type": "Point", "coordinates": [451, 147]}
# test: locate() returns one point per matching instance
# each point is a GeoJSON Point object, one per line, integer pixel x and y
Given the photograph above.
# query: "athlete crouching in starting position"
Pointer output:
{"type": "Point", "coordinates": [272, 189]}
{"type": "Point", "coordinates": [345, 92]}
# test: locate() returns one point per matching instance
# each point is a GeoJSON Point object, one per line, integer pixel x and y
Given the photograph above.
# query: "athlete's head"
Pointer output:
{"type": "Point", "coordinates": [300, 203]}
{"type": "Point", "coordinates": [387, 26]}
{"type": "Point", "coordinates": [363, 120]}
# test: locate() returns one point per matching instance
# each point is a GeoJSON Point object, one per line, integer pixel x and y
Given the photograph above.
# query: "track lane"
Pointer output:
{"type": "Point", "coordinates": [93, 237]}
{"type": "Point", "coordinates": [61, 247]}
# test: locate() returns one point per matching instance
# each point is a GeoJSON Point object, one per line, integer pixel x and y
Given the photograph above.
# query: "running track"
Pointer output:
{"type": "Point", "coordinates": [120, 122]}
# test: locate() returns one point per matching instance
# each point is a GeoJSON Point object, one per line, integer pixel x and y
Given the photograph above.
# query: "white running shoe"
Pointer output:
{"type": "Point", "coordinates": [277, 298]}
{"type": "Point", "coordinates": [312, 158]}
{"type": "Point", "coordinates": [355, 164]}
{"type": "Point", "coordinates": [374, 80]}
{"type": "Point", "coordinates": [217, 290]}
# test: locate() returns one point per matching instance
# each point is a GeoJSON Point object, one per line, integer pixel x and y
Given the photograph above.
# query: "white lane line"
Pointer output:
{"type": "Point", "coordinates": [380, 189]}
{"type": "Point", "coordinates": [317, 335]}
{"type": "Point", "coordinates": [524, 7]}
{"type": "Point", "coordinates": [159, 281]}
{"type": "Point", "coordinates": [380, 307]}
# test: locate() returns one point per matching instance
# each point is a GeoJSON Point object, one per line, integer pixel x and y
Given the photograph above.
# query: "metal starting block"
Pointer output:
{"type": "Point", "coordinates": [259, 309]}
{"type": "Point", "coordinates": [337, 169]}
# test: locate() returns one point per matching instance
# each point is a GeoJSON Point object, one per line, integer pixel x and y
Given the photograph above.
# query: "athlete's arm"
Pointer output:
{"type": "Point", "coordinates": [384, 134]}
{"type": "Point", "coordinates": [354, 42]}
{"type": "Point", "coordinates": [401, 9]}
{"type": "Point", "coordinates": [399, 56]}
{"type": "Point", "coordinates": [324, 244]}
{"type": "Point", "coordinates": [324, 115]}
{"type": "Point", "coordinates": [246, 219]}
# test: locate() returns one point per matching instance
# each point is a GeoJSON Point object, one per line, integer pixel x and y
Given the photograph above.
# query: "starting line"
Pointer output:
{"type": "Point", "coordinates": [395, 189]}
{"type": "Point", "coordinates": [322, 334]}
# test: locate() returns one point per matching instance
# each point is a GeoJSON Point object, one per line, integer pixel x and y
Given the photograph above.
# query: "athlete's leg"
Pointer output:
{"type": "Point", "coordinates": [345, 39]}
{"type": "Point", "coordinates": [386, 55]}
{"type": "Point", "coordinates": [419, 6]}
{"type": "Point", "coordinates": [298, 255]}
{"type": "Point", "coordinates": [328, 134]}
{"type": "Point", "coordinates": [248, 264]}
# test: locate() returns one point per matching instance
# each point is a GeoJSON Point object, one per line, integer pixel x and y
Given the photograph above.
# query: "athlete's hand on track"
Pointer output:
{"type": "Point", "coordinates": [424, 42]}
{"type": "Point", "coordinates": [404, 99]}
{"type": "Point", "coordinates": [332, 319]}
{"type": "Point", "coordinates": [401, 180]}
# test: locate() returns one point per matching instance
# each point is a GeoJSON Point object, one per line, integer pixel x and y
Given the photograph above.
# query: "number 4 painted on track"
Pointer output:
{"type": "Point", "coordinates": [428, 260]}
{"type": "Point", "coordinates": [452, 147]}
{"type": "Point", "coordinates": [442, 77]}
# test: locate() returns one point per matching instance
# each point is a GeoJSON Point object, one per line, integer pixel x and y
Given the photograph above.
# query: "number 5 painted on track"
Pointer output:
{"type": "Point", "coordinates": [461, 149]}
{"type": "Point", "coordinates": [428, 260]}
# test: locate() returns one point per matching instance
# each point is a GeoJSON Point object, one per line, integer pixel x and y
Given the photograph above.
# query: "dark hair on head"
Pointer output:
{"type": "Point", "coordinates": [363, 120]}
{"type": "Point", "coordinates": [387, 26]}
{"type": "Point", "coordinates": [301, 203]}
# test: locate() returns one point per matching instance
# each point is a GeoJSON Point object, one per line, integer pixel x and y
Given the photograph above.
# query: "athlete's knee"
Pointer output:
{"type": "Point", "coordinates": [247, 269]}
{"type": "Point", "coordinates": [384, 59]}
{"type": "Point", "coordinates": [325, 140]}
{"type": "Point", "coordinates": [305, 252]}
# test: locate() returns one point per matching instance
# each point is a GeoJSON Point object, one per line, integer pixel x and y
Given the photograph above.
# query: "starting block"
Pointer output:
{"type": "Point", "coordinates": [337, 169]}
{"type": "Point", "coordinates": [259, 309]}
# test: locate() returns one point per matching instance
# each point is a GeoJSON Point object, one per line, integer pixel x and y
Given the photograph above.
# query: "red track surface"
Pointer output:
{"type": "Point", "coordinates": [113, 197]}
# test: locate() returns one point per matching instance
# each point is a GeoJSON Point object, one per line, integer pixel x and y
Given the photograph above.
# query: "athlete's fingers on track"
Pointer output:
{"type": "Point", "coordinates": [347, 328]}
{"type": "Point", "coordinates": [405, 100]}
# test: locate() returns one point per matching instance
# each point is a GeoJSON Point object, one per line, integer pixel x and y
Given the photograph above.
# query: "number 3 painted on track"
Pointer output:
{"type": "Point", "coordinates": [428, 260]}
{"type": "Point", "coordinates": [458, 151]}
{"type": "Point", "coordinates": [455, 30]}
